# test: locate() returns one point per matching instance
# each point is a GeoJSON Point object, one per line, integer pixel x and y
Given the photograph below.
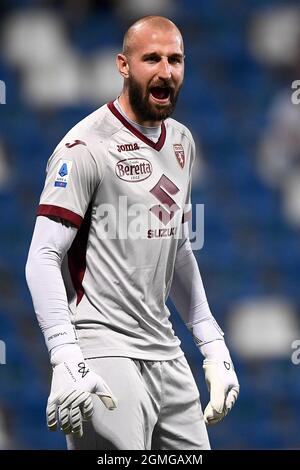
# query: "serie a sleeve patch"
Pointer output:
{"type": "Point", "coordinates": [63, 172]}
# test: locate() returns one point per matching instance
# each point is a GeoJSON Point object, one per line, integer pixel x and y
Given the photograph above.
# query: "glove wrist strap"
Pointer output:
{"type": "Point", "coordinates": [205, 331]}
{"type": "Point", "coordinates": [215, 351]}
{"type": "Point", "coordinates": [68, 353]}
{"type": "Point", "coordinates": [59, 335]}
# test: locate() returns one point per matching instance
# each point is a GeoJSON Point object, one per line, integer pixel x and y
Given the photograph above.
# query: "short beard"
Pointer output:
{"type": "Point", "coordinates": [145, 110]}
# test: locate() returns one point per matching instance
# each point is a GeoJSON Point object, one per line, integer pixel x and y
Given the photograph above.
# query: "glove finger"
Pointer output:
{"type": "Point", "coordinates": [105, 394]}
{"type": "Point", "coordinates": [66, 401]}
{"type": "Point", "coordinates": [109, 401]}
{"type": "Point", "coordinates": [215, 386]}
{"type": "Point", "coordinates": [211, 416]}
{"type": "Point", "coordinates": [217, 397]}
{"type": "Point", "coordinates": [51, 416]}
{"type": "Point", "coordinates": [76, 398]}
{"type": "Point", "coordinates": [52, 412]}
{"type": "Point", "coordinates": [208, 414]}
{"type": "Point", "coordinates": [231, 398]}
{"type": "Point", "coordinates": [68, 397]}
{"type": "Point", "coordinates": [72, 398]}
{"type": "Point", "coordinates": [64, 419]}
{"type": "Point", "coordinates": [87, 408]}
{"type": "Point", "coordinates": [76, 421]}
{"type": "Point", "coordinates": [214, 420]}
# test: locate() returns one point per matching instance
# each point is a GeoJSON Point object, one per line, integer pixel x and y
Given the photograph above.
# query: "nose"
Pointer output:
{"type": "Point", "coordinates": [164, 69]}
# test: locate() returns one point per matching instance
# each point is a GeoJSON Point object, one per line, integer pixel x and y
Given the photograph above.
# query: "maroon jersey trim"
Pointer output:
{"type": "Point", "coordinates": [155, 145]}
{"type": "Point", "coordinates": [77, 255]}
{"type": "Point", "coordinates": [56, 211]}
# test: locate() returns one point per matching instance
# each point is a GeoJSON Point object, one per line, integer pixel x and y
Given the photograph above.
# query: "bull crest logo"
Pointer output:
{"type": "Point", "coordinates": [179, 154]}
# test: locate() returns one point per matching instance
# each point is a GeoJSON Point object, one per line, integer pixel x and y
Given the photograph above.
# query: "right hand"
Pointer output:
{"type": "Point", "coordinates": [70, 402]}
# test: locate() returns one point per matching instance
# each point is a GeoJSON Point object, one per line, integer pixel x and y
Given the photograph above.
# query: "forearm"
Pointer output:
{"type": "Point", "coordinates": [187, 291]}
{"type": "Point", "coordinates": [189, 298]}
{"type": "Point", "coordinates": [51, 240]}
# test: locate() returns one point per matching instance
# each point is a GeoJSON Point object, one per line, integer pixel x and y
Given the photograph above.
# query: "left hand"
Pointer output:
{"type": "Point", "coordinates": [224, 388]}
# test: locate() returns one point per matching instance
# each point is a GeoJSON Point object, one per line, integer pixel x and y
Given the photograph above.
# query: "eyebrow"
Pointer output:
{"type": "Point", "coordinates": [178, 55]}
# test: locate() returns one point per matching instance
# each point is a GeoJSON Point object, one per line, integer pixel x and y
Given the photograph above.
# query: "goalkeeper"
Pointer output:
{"type": "Point", "coordinates": [119, 377]}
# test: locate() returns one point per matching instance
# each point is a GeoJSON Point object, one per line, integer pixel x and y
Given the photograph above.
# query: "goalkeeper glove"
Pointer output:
{"type": "Point", "coordinates": [223, 386]}
{"type": "Point", "coordinates": [70, 402]}
{"type": "Point", "coordinates": [219, 372]}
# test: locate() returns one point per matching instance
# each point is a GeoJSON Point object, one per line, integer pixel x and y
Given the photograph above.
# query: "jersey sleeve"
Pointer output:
{"type": "Point", "coordinates": [72, 176]}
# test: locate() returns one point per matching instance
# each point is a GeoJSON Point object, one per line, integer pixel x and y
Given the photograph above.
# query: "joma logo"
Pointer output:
{"type": "Point", "coordinates": [128, 147]}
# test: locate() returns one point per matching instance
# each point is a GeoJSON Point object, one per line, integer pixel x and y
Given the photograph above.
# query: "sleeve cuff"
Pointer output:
{"type": "Point", "coordinates": [55, 211]}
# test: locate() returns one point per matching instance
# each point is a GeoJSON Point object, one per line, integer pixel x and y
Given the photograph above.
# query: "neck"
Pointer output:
{"type": "Point", "coordinates": [130, 113]}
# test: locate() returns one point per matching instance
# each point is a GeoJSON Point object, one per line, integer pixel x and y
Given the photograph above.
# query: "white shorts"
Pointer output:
{"type": "Point", "coordinates": [158, 408]}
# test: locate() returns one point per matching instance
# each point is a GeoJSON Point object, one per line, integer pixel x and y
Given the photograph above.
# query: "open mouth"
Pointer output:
{"type": "Point", "coordinates": [160, 93]}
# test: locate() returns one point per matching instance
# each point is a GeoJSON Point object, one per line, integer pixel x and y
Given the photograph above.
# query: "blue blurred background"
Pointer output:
{"type": "Point", "coordinates": [57, 61]}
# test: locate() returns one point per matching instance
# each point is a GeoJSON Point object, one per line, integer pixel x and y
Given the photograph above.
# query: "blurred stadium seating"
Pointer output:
{"type": "Point", "coordinates": [57, 60]}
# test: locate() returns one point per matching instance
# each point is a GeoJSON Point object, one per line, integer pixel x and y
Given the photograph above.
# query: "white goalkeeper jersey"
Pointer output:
{"type": "Point", "coordinates": [128, 196]}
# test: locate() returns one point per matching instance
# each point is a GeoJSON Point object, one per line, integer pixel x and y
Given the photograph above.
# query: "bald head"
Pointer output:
{"type": "Point", "coordinates": [152, 66]}
{"type": "Point", "coordinates": [145, 28]}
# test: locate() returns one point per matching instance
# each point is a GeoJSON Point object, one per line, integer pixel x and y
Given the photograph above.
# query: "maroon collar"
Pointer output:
{"type": "Point", "coordinates": [157, 146]}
